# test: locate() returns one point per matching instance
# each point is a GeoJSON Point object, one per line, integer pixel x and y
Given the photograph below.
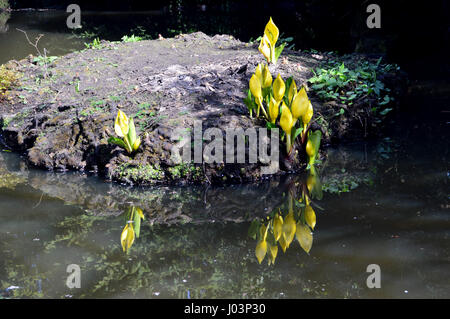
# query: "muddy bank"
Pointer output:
{"type": "Point", "coordinates": [62, 115]}
{"type": "Point", "coordinates": [177, 205]}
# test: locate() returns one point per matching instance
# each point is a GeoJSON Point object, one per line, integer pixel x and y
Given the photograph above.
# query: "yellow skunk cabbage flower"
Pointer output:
{"type": "Point", "coordinates": [273, 110]}
{"type": "Point", "coordinates": [124, 128]}
{"type": "Point", "coordinates": [308, 114]}
{"type": "Point", "coordinates": [255, 88]}
{"type": "Point", "coordinates": [140, 212]}
{"type": "Point", "coordinates": [283, 243]}
{"type": "Point", "coordinates": [309, 148]}
{"type": "Point", "coordinates": [266, 77]}
{"type": "Point", "coordinates": [259, 71]}
{"type": "Point", "coordinates": [127, 237]}
{"type": "Point", "coordinates": [286, 121]}
{"type": "Point", "coordinates": [304, 237]}
{"type": "Point", "coordinates": [289, 228]}
{"type": "Point", "coordinates": [310, 216]}
{"type": "Point", "coordinates": [264, 48]}
{"type": "Point", "coordinates": [277, 226]}
{"type": "Point", "coordinates": [278, 88]}
{"type": "Point", "coordinates": [261, 250]}
{"type": "Point", "coordinates": [312, 146]}
{"type": "Point", "coordinates": [121, 124]}
{"type": "Point", "coordinates": [272, 32]}
{"type": "Point", "coordinates": [300, 104]}
{"type": "Point", "coordinates": [273, 253]}
{"type": "Point", "coordinates": [292, 91]}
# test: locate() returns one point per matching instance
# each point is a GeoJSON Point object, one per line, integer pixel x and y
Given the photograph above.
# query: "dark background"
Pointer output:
{"type": "Point", "coordinates": [413, 34]}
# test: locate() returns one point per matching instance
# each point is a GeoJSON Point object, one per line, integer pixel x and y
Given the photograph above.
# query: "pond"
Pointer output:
{"type": "Point", "coordinates": [376, 205]}
{"type": "Point", "coordinates": [384, 202]}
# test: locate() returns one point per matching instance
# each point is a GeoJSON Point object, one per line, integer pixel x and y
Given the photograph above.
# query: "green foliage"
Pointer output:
{"type": "Point", "coordinates": [347, 85]}
{"type": "Point", "coordinates": [41, 60]}
{"type": "Point", "coordinates": [131, 38]}
{"type": "Point", "coordinates": [8, 80]}
{"type": "Point", "coordinates": [95, 44]}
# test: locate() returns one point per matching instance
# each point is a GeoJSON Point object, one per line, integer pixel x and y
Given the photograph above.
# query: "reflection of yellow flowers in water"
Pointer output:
{"type": "Point", "coordinates": [127, 237]}
{"type": "Point", "coordinates": [132, 228]}
{"type": "Point", "coordinates": [304, 237]}
{"type": "Point", "coordinates": [261, 247]}
{"type": "Point", "coordinates": [289, 228]}
{"type": "Point", "coordinates": [298, 223]}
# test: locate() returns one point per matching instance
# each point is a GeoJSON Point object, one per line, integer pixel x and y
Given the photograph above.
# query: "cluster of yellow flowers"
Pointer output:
{"type": "Point", "coordinates": [280, 100]}
{"type": "Point", "coordinates": [282, 231]}
{"type": "Point", "coordinates": [299, 222]}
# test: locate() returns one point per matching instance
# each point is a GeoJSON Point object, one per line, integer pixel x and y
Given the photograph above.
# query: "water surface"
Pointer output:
{"type": "Point", "coordinates": [194, 242]}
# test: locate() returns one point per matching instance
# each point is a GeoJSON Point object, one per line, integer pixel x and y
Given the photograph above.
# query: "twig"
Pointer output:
{"type": "Point", "coordinates": [35, 45]}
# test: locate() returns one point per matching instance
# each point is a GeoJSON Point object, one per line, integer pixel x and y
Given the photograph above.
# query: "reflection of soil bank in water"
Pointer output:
{"type": "Point", "coordinates": [4, 16]}
{"type": "Point", "coordinates": [63, 121]}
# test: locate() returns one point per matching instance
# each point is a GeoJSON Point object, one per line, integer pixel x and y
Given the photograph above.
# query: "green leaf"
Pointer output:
{"type": "Point", "coordinates": [270, 125]}
{"type": "Point", "coordinates": [297, 132]}
{"type": "Point", "coordinates": [253, 230]}
{"type": "Point", "coordinates": [136, 223]}
{"type": "Point", "coordinates": [131, 132]}
{"type": "Point", "coordinates": [385, 111]}
{"type": "Point", "coordinates": [117, 141]}
{"type": "Point", "coordinates": [278, 51]}
{"type": "Point", "coordinates": [315, 138]}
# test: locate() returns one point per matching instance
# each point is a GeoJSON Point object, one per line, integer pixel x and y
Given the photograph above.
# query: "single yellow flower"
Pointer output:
{"type": "Point", "coordinates": [283, 243]}
{"type": "Point", "coordinates": [310, 150]}
{"type": "Point", "coordinates": [272, 32]}
{"type": "Point", "coordinates": [136, 144]}
{"type": "Point", "coordinates": [273, 253]}
{"type": "Point", "coordinates": [300, 104]}
{"type": "Point", "coordinates": [261, 250]}
{"type": "Point", "coordinates": [127, 237]}
{"type": "Point", "coordinates": [308, 114]}
{"type": "Point", "coordinates": [266, 77]}
{"type": "Point", "coordinates": [286, 121]}
{"type": "Point", "coordinates": [255, 88]}
{"type": "Point", "coordinates": [277, 226]}
{"type": "Point", "coordinates": [273, 110]}
{"type": "Point", "coordinates": [310, 216]}
{"type": "Point", "coordinates": [278, 88]}
{"type": "Point", "coordinates": [289, 228]}
{"type": "Point", "coordinates": [259, 71]}
{"type": "Point", "coordinates": [121, 124]}
{"type": "Point", "coordinates": [304, 237]}
{"type": "Point", "coordinates": [140, 213]}
{"type": "Point", "coordinates": [264, 48]}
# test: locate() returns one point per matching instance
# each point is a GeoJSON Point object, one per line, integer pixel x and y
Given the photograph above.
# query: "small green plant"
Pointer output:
{"type": "Point", "coordinates": [8, 79]}
{"type": "Point", "coordinates": [95, 44]}
{"type": "Point", "coordinates": [131, 38]}
{"type": "Point", "coordinates": [335, 81]}
{"type": "Point", "coordinates": [44, 60]}
{"type": "Point", "coordinates": [125, 129]}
